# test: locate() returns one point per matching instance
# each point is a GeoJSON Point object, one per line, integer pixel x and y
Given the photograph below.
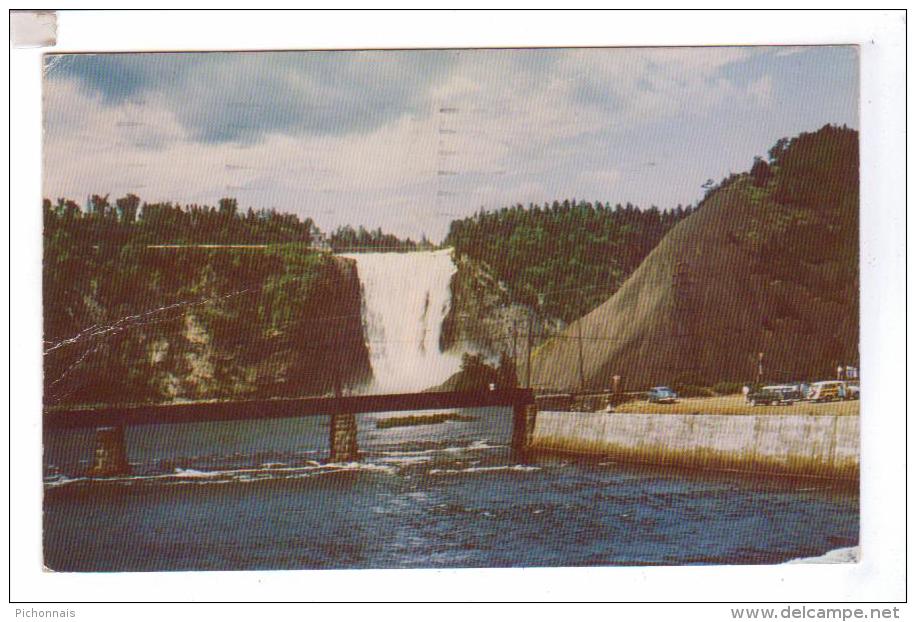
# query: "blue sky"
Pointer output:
{"type": "Point", "coordinates": [409, 140]}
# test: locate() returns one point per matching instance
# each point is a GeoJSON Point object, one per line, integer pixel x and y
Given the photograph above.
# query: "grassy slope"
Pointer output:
{"type": "Point", "coordinates": [753, 287]}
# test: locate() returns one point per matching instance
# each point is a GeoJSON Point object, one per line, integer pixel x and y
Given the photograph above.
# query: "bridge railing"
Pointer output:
{"type": "Point", "coordinates": [190, 412]}
{"type": "Point", "coordinates": [109, 457]}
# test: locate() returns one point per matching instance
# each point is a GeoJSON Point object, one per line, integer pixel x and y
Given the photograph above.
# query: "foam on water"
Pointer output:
{"type": "Point", "coordinates": [455, 500]}
{"type": "Point", "coordinates": [226, 476]}
{"type": "Point", "coordinates": [475, 446]}
{"type": "Point", "coordinates": [523, 468]}
{"type": "Point", "coordinates": [405, 459]}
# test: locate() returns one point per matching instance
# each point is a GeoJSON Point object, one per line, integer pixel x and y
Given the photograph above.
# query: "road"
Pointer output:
{"type": "Point", "coordinates": [735, 405]}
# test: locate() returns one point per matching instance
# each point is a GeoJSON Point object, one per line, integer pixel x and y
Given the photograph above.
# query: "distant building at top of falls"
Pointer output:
{"type": "Point", "coordinates": [320, 243]}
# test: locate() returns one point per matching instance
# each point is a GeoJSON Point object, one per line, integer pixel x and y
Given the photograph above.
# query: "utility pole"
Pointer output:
{"type": "Point", "coordinates": [581, 371]}
{"type": "Point", "coordinates": [528, 364]}
{"type": "Point", "coordinates": [515, 343]}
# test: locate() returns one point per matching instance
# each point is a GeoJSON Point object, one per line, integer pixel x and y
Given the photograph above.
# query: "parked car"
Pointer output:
{"type": "Point", "coordinates": [661, 395]}
{"type": "Point", "coordinates": [789, 392]}
{"type": "Point", "coordinates": [852, 390]}
{"type": "Point", "coordinates": [829, 390]}
{"type": "Point", "coordinates": [803, 389]}
{"type": "Point", "coordinates": [769, 396]}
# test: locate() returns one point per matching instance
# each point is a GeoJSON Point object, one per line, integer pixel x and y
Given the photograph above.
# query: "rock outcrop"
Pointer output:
{"type": "Point", "coordinates": [200, 324]}
{"type": "Point", "coordinates": [483, 319]}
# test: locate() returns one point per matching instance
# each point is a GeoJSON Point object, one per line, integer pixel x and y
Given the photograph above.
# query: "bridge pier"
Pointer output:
{"type": "Point", "coordinates": [110, 455]}
{"type": "Point", "coordinates": [343, 438]}
{"type": "Point", "coordinates": [524, 417]}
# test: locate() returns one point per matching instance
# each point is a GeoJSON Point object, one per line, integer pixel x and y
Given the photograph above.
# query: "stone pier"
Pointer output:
{"type": "Point", "coordinates": [524, 417]}
{"type": "Point", "coordinates": [343, 443]}
{"type": "Point", "coordinates": [110, 455]}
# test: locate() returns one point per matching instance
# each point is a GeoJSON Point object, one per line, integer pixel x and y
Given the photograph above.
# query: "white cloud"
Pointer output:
{"type": "Point", "coordinates": [761, 90]}
{"type": "Point", "coordinates": [486, 128]}
{"type": "Point", "coordinates": [605, 179]}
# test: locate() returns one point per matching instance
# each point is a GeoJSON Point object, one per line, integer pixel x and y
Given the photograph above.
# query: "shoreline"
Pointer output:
{"type": "Point", "coordinates": [736, 405]}
{"type": "Point", "coordinates": [811, 446]}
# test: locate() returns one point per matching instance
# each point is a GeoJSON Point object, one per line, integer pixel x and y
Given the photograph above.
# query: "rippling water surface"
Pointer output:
{"type": "Point", "coordinates": [255, 495]}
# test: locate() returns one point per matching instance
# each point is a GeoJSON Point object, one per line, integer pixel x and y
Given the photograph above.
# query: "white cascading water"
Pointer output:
{"type": "Point", "coordinates": [405, 298]}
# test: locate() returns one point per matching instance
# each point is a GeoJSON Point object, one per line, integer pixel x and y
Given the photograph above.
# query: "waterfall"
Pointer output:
{"type": "Point", "coordinates": [405, 298]}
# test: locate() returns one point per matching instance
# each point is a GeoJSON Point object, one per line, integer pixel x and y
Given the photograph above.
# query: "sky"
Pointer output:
{"type": "Point", "coordinates": [410, 140]}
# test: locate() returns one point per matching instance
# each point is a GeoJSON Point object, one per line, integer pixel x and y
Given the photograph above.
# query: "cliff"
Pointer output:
{"type": "Point", "coordinates": [768, 264]}
{"type": "Point", "coordinates": [135, 324]}
{"type": "Point", "coordinates": [483, 319]}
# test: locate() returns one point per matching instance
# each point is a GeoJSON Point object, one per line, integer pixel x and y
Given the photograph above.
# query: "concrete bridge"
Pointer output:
{"type": "Point", "coordinates": [110, 455]}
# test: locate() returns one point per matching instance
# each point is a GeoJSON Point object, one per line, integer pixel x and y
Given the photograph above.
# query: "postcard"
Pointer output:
{"type": "Point", "coordinates": [454, 308]}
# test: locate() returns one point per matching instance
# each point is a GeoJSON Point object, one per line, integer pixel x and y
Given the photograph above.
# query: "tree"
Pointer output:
{"type": "Point", "coordinates": [127, 208]}
{"type": "Point", "coordinates": [228, 207]}
{"type": "Point", "coordinates": [99, 205]}
{"type": "Point", "coordinates": [562, 261]}
{"type": "Point", "coordinates": [475, 375]}
{"type": "Point", "coordinates": [134, 222]}
{"type": "Point", "coordinates": [819, 169]}
{"type": "Point", "coordinates": [778, 150]}
{"type": "Point", "coordinates": [760, 172]}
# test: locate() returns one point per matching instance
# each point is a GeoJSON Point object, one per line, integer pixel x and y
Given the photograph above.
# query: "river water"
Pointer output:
{"type": "Point", "coordinates": [254, 495]}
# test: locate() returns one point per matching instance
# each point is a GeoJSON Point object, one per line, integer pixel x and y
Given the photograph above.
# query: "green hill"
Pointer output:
{"type": "Point", "coordinates": [767, 263]}
{"type": "Point", "coordinates": [127, 324]}
{"type": "Point", "coordinates": [542, 254]}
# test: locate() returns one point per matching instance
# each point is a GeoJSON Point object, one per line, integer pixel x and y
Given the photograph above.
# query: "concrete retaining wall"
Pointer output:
{"type": "Point", "coordinates": [818, 445]}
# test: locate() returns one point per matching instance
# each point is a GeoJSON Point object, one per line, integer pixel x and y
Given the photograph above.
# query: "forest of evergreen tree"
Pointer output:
{"type": "Point", "coordinates": [563, 258]}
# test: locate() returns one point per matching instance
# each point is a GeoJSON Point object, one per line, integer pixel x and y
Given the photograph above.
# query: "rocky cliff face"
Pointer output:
{"type": "Point", "coordinates": [194, 324]}
{"type": "Point", "coordinates": [482, 319]}
{"type": "Point", "coordinates": [760, 268]}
